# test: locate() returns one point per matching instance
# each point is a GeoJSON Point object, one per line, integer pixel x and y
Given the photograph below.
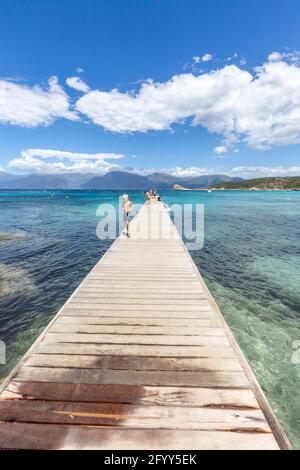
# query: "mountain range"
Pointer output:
{"type": "Point", "coordinates": [113, 180]}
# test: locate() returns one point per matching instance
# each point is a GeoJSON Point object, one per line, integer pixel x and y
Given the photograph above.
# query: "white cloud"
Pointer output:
{"type": "Point", "coordinates": [27, 106]}
{"type": "Point", "coordinates": [275, 56]}
{"type": "Point", "coordinates": [79, 70]}
{"type": "Point", "coordinates": [230, 58]}
{"type": "Point", "coordinates": [190, 171]}
{"type": "Point", "coordinates": [207, 57]}
{"type": "Point", "coordinates": [290, 57]}
{"type": "Point", "coordinates": [261, 109]}
{"type": "Point", "coordinates": [58, 161]}
{"type": "Point", "coordinates": [220, 149]}
{"type": "Point", "coordinates": [77, 84]}
{"type": "Point", "coordinates": [196, 59]}
{"type": "Point", "coordinates": [73, 156]}
{"type": "Point", "coordinates": [35, 161]}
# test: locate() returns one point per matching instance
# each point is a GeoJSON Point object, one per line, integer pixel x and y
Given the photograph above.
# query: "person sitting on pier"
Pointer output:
{"type": "Point", "coordinates": [127, 208]}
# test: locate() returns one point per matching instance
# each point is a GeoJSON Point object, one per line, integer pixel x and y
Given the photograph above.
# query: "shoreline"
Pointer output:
{"type": "Point", "coordinates": [234, 189]}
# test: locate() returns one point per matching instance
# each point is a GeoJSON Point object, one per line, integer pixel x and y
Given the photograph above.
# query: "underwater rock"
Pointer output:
{"type": "Point", "coordinates": [7, 236]}
{"type": "Point", "coordinates": [15, 279]}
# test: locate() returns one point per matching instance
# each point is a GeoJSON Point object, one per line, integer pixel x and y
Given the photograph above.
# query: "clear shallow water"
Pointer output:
{"type": "Point", "coordinates": [250, 261]}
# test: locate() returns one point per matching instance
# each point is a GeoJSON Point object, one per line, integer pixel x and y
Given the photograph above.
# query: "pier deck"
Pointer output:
{"type": "Point", "coordinates": [139, 357]}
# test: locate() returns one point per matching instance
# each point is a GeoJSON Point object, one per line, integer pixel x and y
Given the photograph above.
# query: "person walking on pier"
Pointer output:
{"type": "Point", "coordinates": [127, 208]}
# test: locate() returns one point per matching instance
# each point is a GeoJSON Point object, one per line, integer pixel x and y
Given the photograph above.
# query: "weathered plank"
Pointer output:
{"type": "Point", "coordinates": [134, 377]}
{"type": "Point", "coordinates": [128, 415]}
{"type": "Point", "coordinates": [134, 362]}
{"type": "Point", "coordinates": [130, 301]}
{"type": "Point", "coordinates": [135, 350]}
{"type": "Point", "coordinates": [137, 321]}
{"type": "Point", "coordinates": [136, 339]}
{"type": "Point", "coordinates": [204, 306]}
{"type": "Point", "coordinates": [125, 283]}
{"type": "Point", "coordinates": [137, 330]}
{"type": "Point", "coordinates": [45, 436]}
{"type": "Point", "coordinates": [202, 313]}
{"type": "Point", "coordinates": [136, 394]}
{"type": "Point", "coordinates": [137, 294]}
{"type": "Point", "coordinates": [90, 302]}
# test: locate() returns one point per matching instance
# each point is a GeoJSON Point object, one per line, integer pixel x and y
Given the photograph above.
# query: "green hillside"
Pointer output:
{"type": "Point", "coordinates": [292, 182]}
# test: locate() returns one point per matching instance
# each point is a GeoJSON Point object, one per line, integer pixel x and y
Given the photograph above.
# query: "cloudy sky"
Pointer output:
{"type": "Point", "coordinates": [180, 85]}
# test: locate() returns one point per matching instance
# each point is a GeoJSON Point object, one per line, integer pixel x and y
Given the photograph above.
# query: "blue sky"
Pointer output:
{"type": "Point", "coordinates": [188, 86]}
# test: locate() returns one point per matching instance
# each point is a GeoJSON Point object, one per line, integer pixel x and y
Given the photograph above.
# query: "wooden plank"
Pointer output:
{"type": "Point", "coordinates": [204, 306]}
{"type": "Point", "coordinates": [134, 330]}
{"type": "Point", "coordinates": [132, 377]}
{"type": "Point", "coordinates": [139, 248]}
{"type": "Point", "coordinates": [134, 362]}
{"type": "Point", "coordinates": [131, 416]}
{"type": "Point", "coordinates": [45, 436]}
{"type": "Point", "coordinates": [138, 292]}
{"type": "Point", "coordinates": [137, 321]}
{"type": "Point", "coordinates": [136, 394]}
{"type": "Point", "coordinates": [133, 349]}
{"type": "Point", "coordinates": [86, 300]}
{"type": "Point", "coordinates": [136, 339]}
{"type": "Point", "coordinates": [132, 265]}
{"type": "Point", "coordinates": [143, 284]}
{"type": "Point", "coordinates": [203, 313]}
{"type": "Point", "coordinates": [153, 252]}
{"type": "Point", "coordinates": [176, 273]}
{"type": "Point", "coordinates": [89, 293]}
{"type": "Point", "coordinates": [135, 261]}
{"type": "Point", "coordinates": [114, 275]}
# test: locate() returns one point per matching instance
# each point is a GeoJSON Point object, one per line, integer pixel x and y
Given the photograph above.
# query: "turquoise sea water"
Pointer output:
{"type": "Point", "coordinates": [250, 261]}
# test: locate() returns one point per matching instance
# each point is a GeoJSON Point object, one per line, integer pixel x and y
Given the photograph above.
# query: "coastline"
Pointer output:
{"type": "Point", "coordinates": [233, 189]}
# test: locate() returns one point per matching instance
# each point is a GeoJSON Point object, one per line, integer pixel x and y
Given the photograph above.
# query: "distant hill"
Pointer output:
{"type": "Point", "coordinates": [190, 181]}
{"type": "Point", "coordinates": [36, 182]}
{"type": "Point", "coordinates": [77, 180]}
{"type": "Point", "coordinates": [6, 176]}
{"type": "Point", "coordinates": [114, 180]}
{"type": "Point", "coordinates": [118, 180]}
{"type": "Point", "coordinates": [205, 181]}
{"type": "Point", "coordinates": [288, 182]}
{"type": "Point", "coordinates": [156, 179]}
{"type": "Point", "coordinates": [44, 181]}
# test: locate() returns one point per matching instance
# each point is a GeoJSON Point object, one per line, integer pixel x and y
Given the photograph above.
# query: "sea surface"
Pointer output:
{"type": "Point", "coordinates": [250, 261]}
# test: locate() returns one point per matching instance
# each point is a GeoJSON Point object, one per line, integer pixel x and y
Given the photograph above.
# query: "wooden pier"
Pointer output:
{"type": "Point", "coordinates": [139, 357]}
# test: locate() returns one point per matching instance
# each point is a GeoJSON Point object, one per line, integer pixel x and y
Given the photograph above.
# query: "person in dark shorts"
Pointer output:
{"type": "Point", "coordinates": [127, 208]}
